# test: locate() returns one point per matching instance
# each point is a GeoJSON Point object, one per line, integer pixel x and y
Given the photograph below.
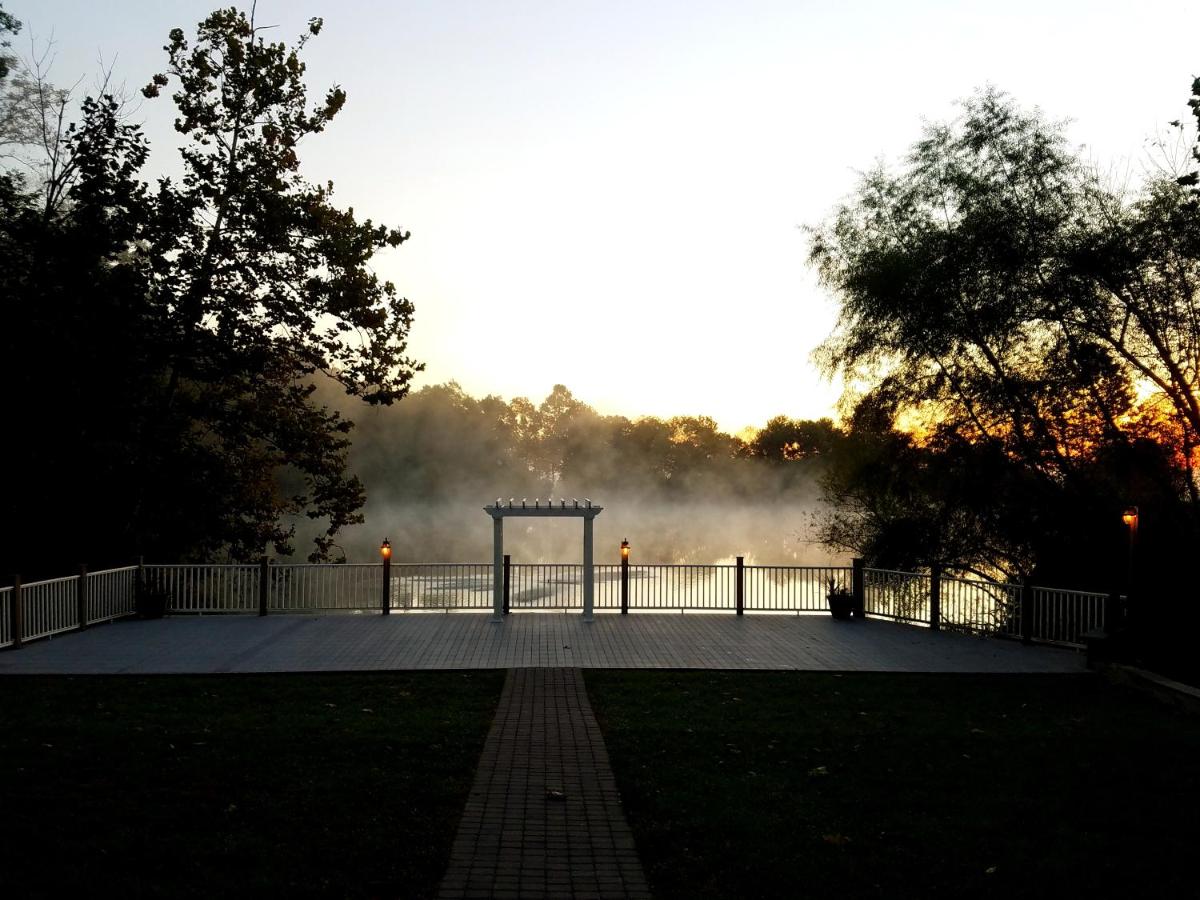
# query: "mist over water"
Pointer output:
{"type": "Point", "coordinates": [679, 490]}
{"type": "Point", "coordinates": [689, 531]}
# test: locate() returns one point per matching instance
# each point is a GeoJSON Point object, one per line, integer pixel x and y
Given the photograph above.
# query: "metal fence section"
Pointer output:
{"type": "Point", "coordinates": [902, 596]}
{"type": "Point", "coordinates": [1062, 616]}
{"type": "Point", "coordinates": [439, 587]}
{"type": "Point", "coordinates": [608, 587]}
{"type": "Point", "coordinates": [980, 607]}
{"type": "Point", "coordinates": [540, 586]}
{"type": "Point", "coordinates": [327, 587]}
{"type": "Point", "coordinates": [792, 588]}
{"type": "Point", "coordinates": [546, 586]}
{"type": "Point", "coordinates": [682, 587]}
{"type": "Point", "coordinates": [111, 594]}
{"type": "Point", "coordinates": [206, 588]}
{"type": "Point", "coordinates": [976, 606]}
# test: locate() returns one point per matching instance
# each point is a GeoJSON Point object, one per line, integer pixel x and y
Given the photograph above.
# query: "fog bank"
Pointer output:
{"type": "Point", "coordinates": [679, 490]}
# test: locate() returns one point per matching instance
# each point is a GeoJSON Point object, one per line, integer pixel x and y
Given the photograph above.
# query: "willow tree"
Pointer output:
{"type": "Point", "coordinates": [1007, 307]}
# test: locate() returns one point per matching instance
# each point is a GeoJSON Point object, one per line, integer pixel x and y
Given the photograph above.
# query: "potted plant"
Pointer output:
{"type": "Point", "coordinates": [151, 600]}
{"type": "Point", "coordinates": [841, 600]}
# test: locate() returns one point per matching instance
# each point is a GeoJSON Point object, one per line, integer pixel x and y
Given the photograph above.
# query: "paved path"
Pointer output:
{"type": "Point", "coordinates": [544, 818]}
{"type": "Point", "coordinates": [203, 644]}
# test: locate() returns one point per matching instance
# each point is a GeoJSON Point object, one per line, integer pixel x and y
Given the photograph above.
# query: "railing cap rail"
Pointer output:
{"type": "Point", "coordinates": [26, 585]}
{"type": "Point", "coordinates": [897, 572]}
{"type": "Point", "coordinates": [112, 571]}
{"type": "Point", "coordinates": [346, 565]}
{"type": "Point", "coordinates": [1098, 594]}
{"type": "Point", "coordinates": [983, 581]}
{"type": "Point", "coordinates": [200, 566]}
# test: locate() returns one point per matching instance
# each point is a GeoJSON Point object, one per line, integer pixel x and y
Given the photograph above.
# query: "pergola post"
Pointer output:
{"type": "Point", "coordinates": [589, 571]}
{"type": "Point", "coordinates": [497, 568]}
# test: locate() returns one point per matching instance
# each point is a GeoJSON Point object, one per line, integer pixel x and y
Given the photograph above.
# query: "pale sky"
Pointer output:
{"type": "Point", "coordinates": [607, 194]}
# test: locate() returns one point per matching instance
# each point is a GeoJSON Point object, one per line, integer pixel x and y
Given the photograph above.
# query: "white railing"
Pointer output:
{"type": "Point", "coordinates": [468, 586]}
{"type": "Point", "coordinates": [972, 606]}
{"type": "Point", "coordinates": [980, 607]}
{"type": "Point", "coordinates": [1061, 616]}
{"type": "Point", "coordinates": [111, 594]}
{"type": "Point", "coordinates": [322, 588]}
{"type": "Point", "coordinates": [50, 607]}
{"type": "Point", "coordinates": [440, 587]}
{"type": "Point", "coordinates": [6, 637]}
{"type": "Point", "coordinates": [891, 594]}
{"type": "Point", "coordinates": [206, 588]}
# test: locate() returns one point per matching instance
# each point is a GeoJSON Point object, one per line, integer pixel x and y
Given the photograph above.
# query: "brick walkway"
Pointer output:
{"type": "Point", "coordinates": [544, 818]}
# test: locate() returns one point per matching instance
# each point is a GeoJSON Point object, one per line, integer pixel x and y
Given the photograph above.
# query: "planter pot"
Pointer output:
{"type": "Point", "coordinates": [841, 605]}
{"type": "Point", "coordinates": [151, 603]}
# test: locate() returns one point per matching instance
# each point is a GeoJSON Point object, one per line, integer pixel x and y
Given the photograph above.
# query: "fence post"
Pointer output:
{"type": "Point", "coordinates": [81, 595]}
{"type": "Point", "coordinates": [264, 585]}
{"type": "Point", "coordinates": [507, 582]}
{"type": "Point", "coordinates": [858, 587]}
{"type": "Point", "coordinates": [935, 597]}
{"type": "Point", "coordinates": [1114, 613]}
{"type": "Point", "coordinates": [385, 602]}
{"type": "Point", "coordinates": [624, 585]}
{"type": "Point", "coordinates": [17, 613]}
{"type": "Point", "coordinates": [1027, 610]}
{"type": "Point", "coordinates": [739, 590]}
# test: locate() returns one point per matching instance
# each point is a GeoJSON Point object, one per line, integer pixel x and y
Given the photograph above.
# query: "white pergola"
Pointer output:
{"type": "Point", "coordinates": [542, 509]}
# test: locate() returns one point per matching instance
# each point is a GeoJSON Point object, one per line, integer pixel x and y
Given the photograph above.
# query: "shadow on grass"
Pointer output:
{"type": "Point", "coordinates": [272, 785]}
{"type": "Point", "coordinates": [755, 784]}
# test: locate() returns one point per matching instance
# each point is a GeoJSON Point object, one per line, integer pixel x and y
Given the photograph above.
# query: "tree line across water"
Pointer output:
{"type": "Point", "coordinates": [185, 356]}
{"type": "Point", "coordinates": [679, 488]}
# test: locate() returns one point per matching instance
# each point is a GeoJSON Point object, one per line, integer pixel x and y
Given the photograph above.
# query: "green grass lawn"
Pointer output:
{"type": "Point", "coordinates": [272, 786]}
{"type": "Point", "coordinates": [748, 784]}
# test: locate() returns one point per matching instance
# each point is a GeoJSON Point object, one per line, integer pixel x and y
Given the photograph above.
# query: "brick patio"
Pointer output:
{"type": "Point", "coordinates": [203, 644]}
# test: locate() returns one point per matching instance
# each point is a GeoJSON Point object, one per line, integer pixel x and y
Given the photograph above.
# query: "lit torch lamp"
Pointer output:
{"type": "Point", "coordinates": [385, 551]}
{"type": "Point", "coordinates": [1130, 518]}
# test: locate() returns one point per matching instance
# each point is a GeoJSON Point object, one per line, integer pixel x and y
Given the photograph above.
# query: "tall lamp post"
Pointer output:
{"type": "Point", "coordinates": [1130, 518]}
{"type": "Point", "coordinates": [385, 550]}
